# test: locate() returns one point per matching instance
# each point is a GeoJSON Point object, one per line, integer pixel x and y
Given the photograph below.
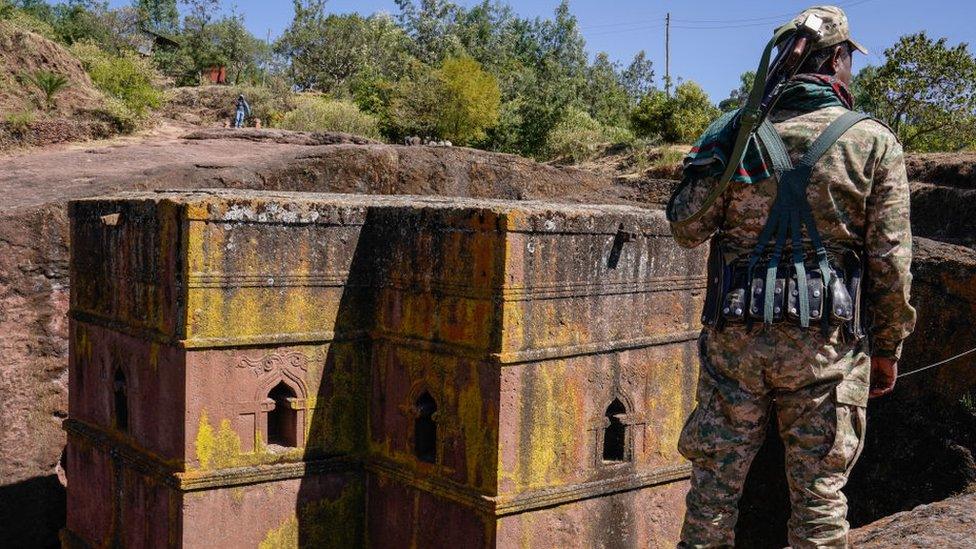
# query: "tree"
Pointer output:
{"type": "Point", "coordinates": [237, 49]}
{"type": "Point", "coordinates": [433, 27]}
{"type": "Point", "coordinates": [678, 119]}
{"type": "Point", "coordinates": [471, 100]}
{"type": "Point", "coordinates": [638, 77]}
{"type": "Point", "coordinates": [738, 96]}
{"type": "Point", "coordinates": [607, 99]}
{"type": "Point", "coordinates": [414, 103]}
{"type": "Point", "coordinates": [926, 91]}
{"type": "Point", "coordinates": [328, 52]}
{"type": "Point", "coordinates": [159, 15]}
{"type": "Point", "coordinates": [458, 101]}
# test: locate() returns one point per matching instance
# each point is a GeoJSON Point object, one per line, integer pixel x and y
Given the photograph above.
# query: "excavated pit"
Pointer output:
{"type": "Point", "coordinates": [920, 440]}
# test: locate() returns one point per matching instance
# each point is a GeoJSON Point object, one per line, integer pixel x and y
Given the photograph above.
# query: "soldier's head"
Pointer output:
{"type": "Point", "coordinates": [832, 52]}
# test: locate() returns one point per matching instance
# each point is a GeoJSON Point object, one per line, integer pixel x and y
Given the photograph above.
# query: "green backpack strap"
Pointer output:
{"type": "Point", "coordinates": [791, 211]}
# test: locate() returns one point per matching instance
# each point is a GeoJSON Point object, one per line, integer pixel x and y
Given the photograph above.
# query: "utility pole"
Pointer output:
{"type": "Point", "coordinates": [267, 63]}
{"type": "Point", "coordinates": [667, 55]}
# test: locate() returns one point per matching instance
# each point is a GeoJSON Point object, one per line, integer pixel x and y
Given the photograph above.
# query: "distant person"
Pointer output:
{"type": "Point", "coordinates": [809, 283]}
{"type": "Point", "coordinates": [243, 111]}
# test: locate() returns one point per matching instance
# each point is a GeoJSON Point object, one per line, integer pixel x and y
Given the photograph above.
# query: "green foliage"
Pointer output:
{"type": "Point", "coordinates": [679, 119]}
{"type": "Point", "coordinates": [605, 95]}
{"type": "Point", "coordinates": [27, 21]}
{"type": "Point", "coordinates": [50, 83]}
{"type": "Point", "coordinates": [458, 101]}
{"type": "Point", "coordinates": [159, 15]}
{"type": "Point", "coordinates": [121, 116]}
{"type": "Point", "coordinates": [738, 96]}
{"type": "Point", "coordinates": [470, 100]}
{"type": "Point", "coordinates": [579, 137]}
{"type": "Point", "coordinates": [414, 103]}
{"type": "Point", "coordinates": [269, 103]}
{"type": "Point", "coordinates": [926, 91]}
{"type": "Point", "coordinates": [322, 114]}
{"type": "Point", "coordinates": [6, 10]}
{"type": "Point", "coordinates": [235, 48]}
{"type": "Point", "coordinates": [19, 123]}
{"type": "Point", "coordinates": [126, 77]}
{"type": "Point", "coordinates": [329, 53]}
{"type": "Point", "coordinates": [638, 77]}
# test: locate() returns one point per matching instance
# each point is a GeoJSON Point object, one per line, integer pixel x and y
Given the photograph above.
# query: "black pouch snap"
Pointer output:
{"type": "Point", "coordinates": [758, 303]}
{"type": "Point", "coordinates": [815, 295]}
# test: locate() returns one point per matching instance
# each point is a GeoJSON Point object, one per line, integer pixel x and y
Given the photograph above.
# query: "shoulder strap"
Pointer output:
{"type": "Point", "coordinates": [834, 131]}
{"type": "Point", "coordinates": [775, 147]}
{"type": "Point", "coordinates": [791, 212]}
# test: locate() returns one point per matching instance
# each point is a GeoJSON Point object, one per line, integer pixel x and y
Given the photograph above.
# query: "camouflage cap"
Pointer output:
{"type": "Point", "coordinates": [834, 30]}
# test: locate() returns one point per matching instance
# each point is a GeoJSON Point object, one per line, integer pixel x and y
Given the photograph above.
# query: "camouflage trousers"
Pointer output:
{"type": "Point", "coordinates": [818, 386]}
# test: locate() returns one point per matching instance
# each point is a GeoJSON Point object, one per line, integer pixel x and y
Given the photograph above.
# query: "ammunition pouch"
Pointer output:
{"type": "Point", "coordinates": [732, 298]}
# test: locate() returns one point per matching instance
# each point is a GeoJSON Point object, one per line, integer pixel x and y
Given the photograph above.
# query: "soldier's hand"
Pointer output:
{"type": "Point", "coordinates": [884, 372]}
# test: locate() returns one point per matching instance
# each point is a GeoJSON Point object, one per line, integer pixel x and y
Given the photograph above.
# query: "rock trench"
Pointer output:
{"type": "Point", "coordinates": [922, 438]}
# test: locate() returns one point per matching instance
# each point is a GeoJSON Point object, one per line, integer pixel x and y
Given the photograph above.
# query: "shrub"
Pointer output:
{"type": "Point", "coordinates": [322, 114]}
{"type": "Point", "coordinates": [19, 123]}
{"type": "Point", "coordinates": [126, 77]}
{"type": "Point", "coordinates": [25, 21]}
{"type": "Point", "coordinates": [678, 119]}
{"type": "Point", "coordinates": [121, 116]}
{"type": "Point", "coordinates": [50, 84]}
{"type": "Point", "coordinates": [269, 103]}
{"type": "Point", "coordinates": [578, 137]}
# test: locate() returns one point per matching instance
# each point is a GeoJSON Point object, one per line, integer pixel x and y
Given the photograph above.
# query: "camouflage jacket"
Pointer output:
{"type": "Point", "coordinates": [860, 199]}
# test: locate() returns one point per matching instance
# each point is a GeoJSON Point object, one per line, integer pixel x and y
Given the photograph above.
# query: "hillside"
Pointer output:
{"type": "Point", "coordinates": [79, 112]}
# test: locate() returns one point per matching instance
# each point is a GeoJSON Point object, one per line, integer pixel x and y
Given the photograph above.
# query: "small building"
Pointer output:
{"type": "Point", "coordinates": [214, 75]}
{"type": "Point", "coordinates": [283, 369]}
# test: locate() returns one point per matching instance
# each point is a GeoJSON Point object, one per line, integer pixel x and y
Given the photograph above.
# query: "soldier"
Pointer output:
{"type": "Point", "coordinates": [759, 351]}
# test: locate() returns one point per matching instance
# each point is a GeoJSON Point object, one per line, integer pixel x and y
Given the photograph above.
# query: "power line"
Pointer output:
{"type": "Point", "coordinates": [704, 24]}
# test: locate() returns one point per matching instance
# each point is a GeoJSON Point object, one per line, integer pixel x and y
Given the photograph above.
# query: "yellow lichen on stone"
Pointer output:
{"type": "Point", "coordinates": [324, 524]}
{"type": "Point", "coordinates": [479, 448]}
{"type": "Point", "coordinates": [282, 537]}
{"type": "Point", "coordinates": [204, 442]}
{"type": "Point", "coordinates": [227, 447]}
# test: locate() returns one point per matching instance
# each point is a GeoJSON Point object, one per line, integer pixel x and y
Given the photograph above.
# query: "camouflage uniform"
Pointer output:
{"type": "Point", "coordinates": [818, 384]}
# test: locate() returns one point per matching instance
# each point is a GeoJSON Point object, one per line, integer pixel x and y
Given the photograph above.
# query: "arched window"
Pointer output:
{"type": "Point", "coordinates": [425, 429]}
{"type": "Point", "coordinates": [121, 402]}
{"type": "Point", "coordinates": [615, 433]}
{"type": "Point", "coordinates": [283, 418]}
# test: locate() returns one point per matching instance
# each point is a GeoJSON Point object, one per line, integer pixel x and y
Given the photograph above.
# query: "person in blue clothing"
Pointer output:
{"type": "Point", "coordinates": [243, 111]}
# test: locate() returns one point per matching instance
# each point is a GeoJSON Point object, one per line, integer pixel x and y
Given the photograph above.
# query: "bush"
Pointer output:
{"type": "Point", "coordinates": [678, 119]}
{"type": "Point", "coordinates": [20, 122]}
{"type": "Point", "coordinates": [126, 77]}
{"type": "Point", "coordinates": [25, 21]}
{"type": "Point", "coordinates": [579, 137]}
{"type": "Point", "coordinates": [121, 116]}
{"type": "Point", "coordinates": [322, 114]}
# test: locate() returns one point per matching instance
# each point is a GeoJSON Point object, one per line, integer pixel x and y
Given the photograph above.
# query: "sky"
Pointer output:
{"type": "Point", "coordinates": [712, 41]}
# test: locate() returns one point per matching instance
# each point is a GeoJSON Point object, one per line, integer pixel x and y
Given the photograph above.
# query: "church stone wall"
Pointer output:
{"type": "Point", "coordinates": [341, 370]}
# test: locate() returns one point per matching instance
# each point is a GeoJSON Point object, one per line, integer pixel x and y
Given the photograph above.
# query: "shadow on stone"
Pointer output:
{"type": "Point", "coordinates": [32, 512]}
{"type": "Point", "coordinates": [916, 452]}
